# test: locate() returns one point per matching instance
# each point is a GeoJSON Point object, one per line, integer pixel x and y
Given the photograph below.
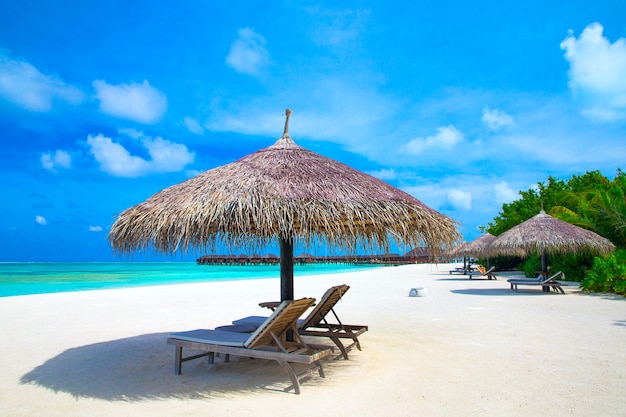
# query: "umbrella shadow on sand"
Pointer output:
{"type": "Point", "coordinates": [141, 368]}
{"type": "Point", "coordinates": [463, 278]}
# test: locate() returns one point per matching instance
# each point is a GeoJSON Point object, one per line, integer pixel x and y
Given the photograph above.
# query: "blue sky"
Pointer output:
{"type": "Point", "coordinates": [461, 104]}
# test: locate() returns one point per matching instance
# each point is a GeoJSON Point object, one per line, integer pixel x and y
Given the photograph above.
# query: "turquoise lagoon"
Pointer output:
{"type": "Point", "coordinates": [51, 277]}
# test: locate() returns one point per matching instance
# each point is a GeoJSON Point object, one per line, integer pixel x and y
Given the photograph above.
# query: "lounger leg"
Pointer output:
{"type": "Point", "coordinates": [342, 348]}
{"type": "Point", "coordinates": [211, 358]}
{"type": "Point", "coordinates": [357, 343]}
{"type": "Point", "coordinates": [320, 370]}
{"type": "Point", "coordinates": [292, 375]}
{"type": "Point", "coordinates": [178, 363]}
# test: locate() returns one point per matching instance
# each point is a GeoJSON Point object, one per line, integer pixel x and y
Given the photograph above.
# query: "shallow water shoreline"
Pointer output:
{"type": "Point", "coordinates": [26, 278]}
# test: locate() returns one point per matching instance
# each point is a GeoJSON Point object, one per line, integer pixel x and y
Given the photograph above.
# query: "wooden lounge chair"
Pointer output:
{"type": "Point", "coordinates": [547, 284]}
{"type": "Point", "coordinates": [482, 272]}
{"type": "Point", "coordinates": [316, 323]}
{"type": "Point", "coordinates": [268, 341]}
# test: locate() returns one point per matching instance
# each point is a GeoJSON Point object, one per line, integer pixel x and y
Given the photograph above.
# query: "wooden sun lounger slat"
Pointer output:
{"type": "Point", "coordinates": [488, 274]}
{"type": "Point", "coordinates": [306, 356]}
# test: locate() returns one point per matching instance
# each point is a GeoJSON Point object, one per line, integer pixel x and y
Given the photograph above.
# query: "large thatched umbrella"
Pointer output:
{"type": "Point", "coordinates": [545, 234]}
{"type": "Point", "coordinates": [285, 193]}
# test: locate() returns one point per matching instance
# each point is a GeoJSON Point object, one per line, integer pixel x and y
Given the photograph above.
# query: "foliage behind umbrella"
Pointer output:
{"type": "Point", "coordinates": [283, 192]}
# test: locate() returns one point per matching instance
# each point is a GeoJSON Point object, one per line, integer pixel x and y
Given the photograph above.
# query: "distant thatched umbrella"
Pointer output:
{"type": "Point", "coordinates": [545, 234]}
{"type": "Point", "coordinates": [477, 247]}
{"type": "Point", "coordinates": [282, 192]}
{"type": "Point", "coordinates": [454, 251]}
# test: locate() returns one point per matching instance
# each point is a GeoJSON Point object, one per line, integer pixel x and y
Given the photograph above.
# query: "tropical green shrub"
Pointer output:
{"type": "Point", "coordinates": [502, 263]}
{"type": "Point", "coordinates": [532, 266]}
{"type": "Point", "coordinates": [608, 274]}
{"type": "Point", "coordinates": [573, 266]}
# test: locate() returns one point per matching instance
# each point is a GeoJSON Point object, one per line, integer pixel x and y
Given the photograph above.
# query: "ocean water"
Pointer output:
{"type": "Point", "coordinates": [51, 277]}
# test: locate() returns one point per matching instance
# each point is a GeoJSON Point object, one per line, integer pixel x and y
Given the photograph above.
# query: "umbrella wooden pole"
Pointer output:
{"type": "Point", "coordinates": [286, 274]}
{"type": "Point", "coordinates": [544, 268]}
{"type": "Point", "coordinates": [544, 263]}
{"type": "Point", "coordinates": [286, 269]}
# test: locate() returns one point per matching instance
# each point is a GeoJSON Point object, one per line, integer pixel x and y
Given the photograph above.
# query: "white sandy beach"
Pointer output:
{"type": "Point", "coordinates": [467, 348]}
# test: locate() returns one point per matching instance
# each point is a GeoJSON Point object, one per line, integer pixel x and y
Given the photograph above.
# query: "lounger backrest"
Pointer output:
{"type": "Point", "coordinates": [282, 319]}
{"type": "Point", "coordinates": [551, 277]}
{"type": "Point", "coordinates": [330, 298]}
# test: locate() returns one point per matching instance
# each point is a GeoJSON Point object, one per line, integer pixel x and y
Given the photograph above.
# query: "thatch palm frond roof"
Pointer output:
{"type": "Point", "coordinates": [479, 247]}
{"type": "Point", "coordinates": [283, 191]}
{"type": "Point", "coordinates": [546, 234]}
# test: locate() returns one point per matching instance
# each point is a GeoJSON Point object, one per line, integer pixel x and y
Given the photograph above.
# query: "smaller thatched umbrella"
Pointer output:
{"type": "Point", "coordinates": [478, 247]}
{"type": "Point", "coordinates": [545, 234]}
{"type": "Point", "coordinates": [454, 252]}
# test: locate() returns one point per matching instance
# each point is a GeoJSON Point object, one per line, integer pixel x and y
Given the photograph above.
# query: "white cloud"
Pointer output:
{"type": "Point", "coordinates": [327, 108]}
{"type": "Point", "coordinates": [597, 72]}
{"type": "Point", "coordinates": [503, 193]}
{"type": "Point", "coordinates": [384, 174]}
{"type": "Point", "coordinates": [247, 53]}
{"type": "Point", "coordinates": [460, 200]}
{"type": "Point", "coordinates": [193, 126]}
{"type": "Point", "coordinates": [167, 156]}
{"type": "Point", "coordinates": [95, 228]}
{"type": "Point", "coordinates": [58, 159]}
{"type": "Point", "coordinates": [139, 102]}
{"type": "Point", "coordinates": [131, 133]}
{"type": "Point", "coordinates": [431, 194]}
{"type": "Point", "coordinates": [41, 220]}
{"type": "Point", "coordinates": [496, 119]}
{"type": "Point", "coordinates": [115, 159]}
{"type": "Point", "coordinates": [26, 87]}
{"type": "Point", "coordinates": [446, 138]}
{"type": "Point", "coordinates": [190, 173]}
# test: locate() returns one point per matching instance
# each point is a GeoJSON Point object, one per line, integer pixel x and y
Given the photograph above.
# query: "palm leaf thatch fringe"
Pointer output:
{"type": "Point", "coordinates": [285, 192]}
{"type": "Point", "coordinates": [546, 234]}
{"type": "Point", "coordinates": [478, 247]}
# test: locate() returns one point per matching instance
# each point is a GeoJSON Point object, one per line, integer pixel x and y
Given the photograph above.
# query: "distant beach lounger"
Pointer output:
{"type": "Point", "coordinates": [268, 341]}
{"type": "Point", "coordinates": [461, 270]}
{"type": "Point", "coordinates": [547, 284]}
{"type": "Point", "coordinates": [483, 273]}
{"type": "Point", "coordinates": [316, 324]}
